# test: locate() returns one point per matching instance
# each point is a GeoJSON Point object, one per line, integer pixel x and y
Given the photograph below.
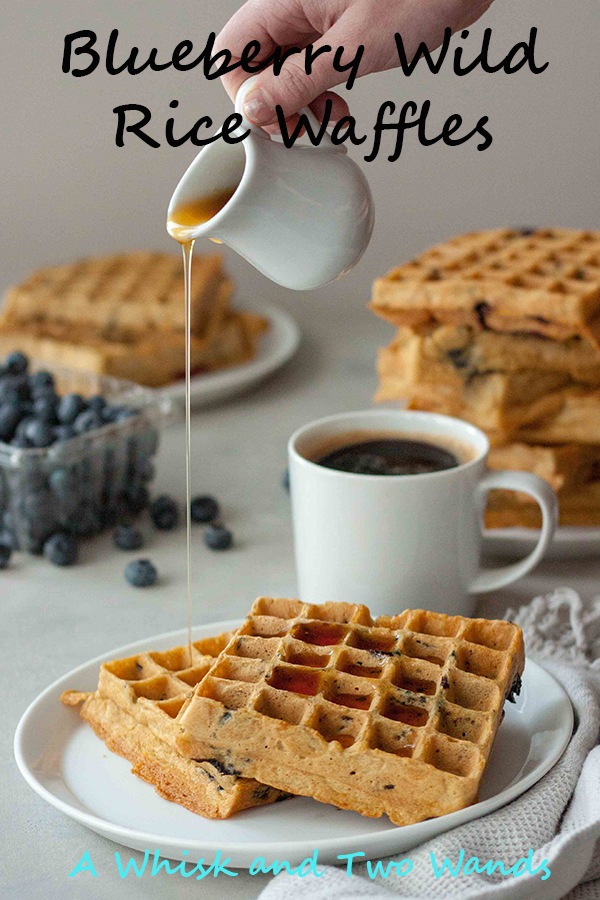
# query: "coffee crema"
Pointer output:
{"type": "Point", "coordinates": [390, 453]}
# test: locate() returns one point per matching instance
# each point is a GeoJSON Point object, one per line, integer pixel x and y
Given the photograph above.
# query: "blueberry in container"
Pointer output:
{"type": "Point", "coordinates": [71, 474]}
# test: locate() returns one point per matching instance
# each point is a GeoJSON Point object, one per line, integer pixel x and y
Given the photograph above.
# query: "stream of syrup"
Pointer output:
{"type": "Point", "coordinates": [180, 225]}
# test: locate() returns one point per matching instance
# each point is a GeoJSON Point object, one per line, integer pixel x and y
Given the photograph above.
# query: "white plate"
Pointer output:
{"type": "Point", "coordinates": [568, 543]}
{"type": "Point", "coordinates": [275, 348]}
{"type": "Point", "coordinates": [67, 765]}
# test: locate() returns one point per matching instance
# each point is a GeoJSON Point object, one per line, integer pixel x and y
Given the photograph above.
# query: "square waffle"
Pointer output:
{"type": "Point", "coordinates": [499, 402]}
{"type": "Point", "coordinates": [153, 360]}
{"type": "Point", "coordinates": [453, 355]}
{"type": "Point", "coordinates": [393, 715]}
{"type": "Point", "coordinates": [544, 281]}
{"type": "Point", "coordinates": [119, 297]}
{"type": "Point", "coordinates": [134, 712]}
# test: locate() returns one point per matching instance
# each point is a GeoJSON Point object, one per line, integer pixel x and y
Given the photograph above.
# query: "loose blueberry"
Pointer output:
{"type": "Point", "coordinates": [5, 554]}
{"type": "Point", "coordinates": [39, 434]}
{"type": "Point", "coordinates": [61, 549]}
{"type": "Point", "coordinates": [69, 408]}
{"type": "Point", "coordinates": [126, 537]}
{"type": "Point", "coordinates": [164, 513]}
{"type": "Point", "coordinates": [44, 407]}
{"type": "Point", "coordinates": [204, 509]}
{"type": "Point", "coordinates": [97, 403]}
{"type": "Point", "coordinates": [141, 573]}
{"type": "Point", "coordinates": [16, 363]}
{"type": "Point", "coordinates": [218, 538]}
{"type": "Point", "coordinates": [89, 420]}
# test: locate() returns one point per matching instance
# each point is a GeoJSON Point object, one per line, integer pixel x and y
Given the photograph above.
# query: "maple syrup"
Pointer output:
{"type": "Point", "coordinates": [296, 681]}
{"type": "Point", "coordinates": [320, 634]}
{"type": "Point", "coordinates": [180, 225]}
{"type": "Point", "coordinates": [354, 701]}
{"type": "Point", "coordinates": [408, 715]}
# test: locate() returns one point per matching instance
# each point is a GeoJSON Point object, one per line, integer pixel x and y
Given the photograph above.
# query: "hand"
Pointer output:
{"type": "Point", "coordinates": [347, 23]}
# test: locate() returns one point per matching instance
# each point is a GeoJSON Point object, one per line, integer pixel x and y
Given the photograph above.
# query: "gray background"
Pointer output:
{"type": "Point", "coordinates": [67, 190]}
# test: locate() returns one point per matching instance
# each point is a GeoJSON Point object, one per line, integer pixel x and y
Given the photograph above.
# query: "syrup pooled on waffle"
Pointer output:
{"type": "Point", "coordinates": [134, 712]}
{"type": "Point", "coordinates": [393, 715]}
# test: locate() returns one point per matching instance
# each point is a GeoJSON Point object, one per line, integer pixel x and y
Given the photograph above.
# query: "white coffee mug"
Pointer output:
{"type": "Point", "coordinates": [301, 215]}
{"type": "Point", "coordinates": [401, 541]}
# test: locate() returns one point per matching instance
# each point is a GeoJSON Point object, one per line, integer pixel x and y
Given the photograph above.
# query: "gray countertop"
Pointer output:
{"type": "Point", "coordinates": [54, 619]}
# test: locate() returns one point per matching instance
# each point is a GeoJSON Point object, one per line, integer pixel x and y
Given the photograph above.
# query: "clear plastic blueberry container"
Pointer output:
{"type": "Point", "coordinates": [87, 483]}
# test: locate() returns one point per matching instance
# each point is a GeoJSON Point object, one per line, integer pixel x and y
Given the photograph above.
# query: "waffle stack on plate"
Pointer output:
{"type": "Point", "coordinates": [502, 328]}
{"type": "Point", "coordinates": [395, 716]}
{"type": "Point", "coordinates": [134, 711]}
{"type": "Point", "coordinates": [123, 315]}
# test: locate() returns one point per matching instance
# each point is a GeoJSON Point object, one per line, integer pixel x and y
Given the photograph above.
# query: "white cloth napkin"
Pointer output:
{"type": "Point", "coordinates": [559, 818]}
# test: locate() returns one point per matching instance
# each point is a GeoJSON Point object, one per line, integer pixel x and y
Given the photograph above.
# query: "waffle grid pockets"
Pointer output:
{"type": "Point", "coordinates": [134, 711]}
{"type": "Point", "coordinates": [545, 281]}
{"type": "Point", "coordinates": [393, 716]}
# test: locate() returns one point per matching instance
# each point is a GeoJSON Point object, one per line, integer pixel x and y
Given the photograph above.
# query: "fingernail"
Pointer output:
{"type": "Point", "coordinates": [257, 107]}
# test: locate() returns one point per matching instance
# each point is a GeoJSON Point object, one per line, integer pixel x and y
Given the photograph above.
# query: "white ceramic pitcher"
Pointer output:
{"type": "Point", "coordinates": [301, 215]}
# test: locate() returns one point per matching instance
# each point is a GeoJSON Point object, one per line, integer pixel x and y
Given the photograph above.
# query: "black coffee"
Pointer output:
{"type": "Point", "coordinates": [389, 456]}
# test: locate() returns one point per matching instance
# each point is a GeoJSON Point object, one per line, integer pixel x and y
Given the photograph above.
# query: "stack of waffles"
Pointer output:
{"type": "Point", "coordinates": [502, 328]}
{"type": "Point", "coordinates": [123, 315]}
{"type": "Point", "coordinates": [391, 716]}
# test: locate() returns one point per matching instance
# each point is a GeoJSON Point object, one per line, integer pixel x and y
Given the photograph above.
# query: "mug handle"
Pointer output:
{"type": "Point", "coordinates": [247, 85]}
{"type": "Point", "coordinates": [540, 490]}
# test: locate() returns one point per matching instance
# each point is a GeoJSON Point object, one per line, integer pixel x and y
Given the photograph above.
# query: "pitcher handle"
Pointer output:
{"type": "Point", "coordinates": [247, 85]}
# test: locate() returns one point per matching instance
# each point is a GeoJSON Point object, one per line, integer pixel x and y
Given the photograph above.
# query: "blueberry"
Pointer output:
{"type": "Point", "coordinates": [141, 573]}
{"type": "Point", "coordinates": [41, 380]}
{"type": "Point", "coordinates": [39, 434]}
{"type": "Point", "coordinates": [89, 420]}
{"type": "Point", "coordinates": [126, 537]}
{"type": "Point", "coordinates": [24, 424]}
{"type": "Point", "coordinates": [218, 538]}
{"type": "Point", "coordinates": [8, 392]}
{"type": "Point", "coordinates": [69, 408]}
{"type": "Point", "coordinates": [97, 403]}
{"type": "Point", "coordinates": [9, 419]}
{"type": "Point", "coordinates": [125, 412]}
{"type": "Point", "coordinates": [136, 499]}
{"type": "Point", "coordinates": [44, 407]}
{"type": "Point", "coordinates": [204, 509]}
{"type": "Point", "coordinates": [285, 480]}
{"type": "Point", "coordinates": [64, 432]}
{"type": "Point", "coordinates": [61, 549]}
{"type": "Point", "coordinates": [63, 482]}
{"type": "Point", "coordinates": [146, 470]}
{"type": "Point", "coordinates": [5, 553]}
{"type": "Point", "coordinates": [109, 413]}
{"type": "Point", "coordinates": [164, 513]}
{"type": "Point", "coordinates": [20, 442]}
{"type": "Point", "coordinates": [7, 537]}
{"type": "Point", "coordinates": [16, 363]}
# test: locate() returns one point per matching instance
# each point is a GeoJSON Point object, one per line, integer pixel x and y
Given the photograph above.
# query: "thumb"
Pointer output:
{"type": "Point", "coordinates": [293, 87]}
